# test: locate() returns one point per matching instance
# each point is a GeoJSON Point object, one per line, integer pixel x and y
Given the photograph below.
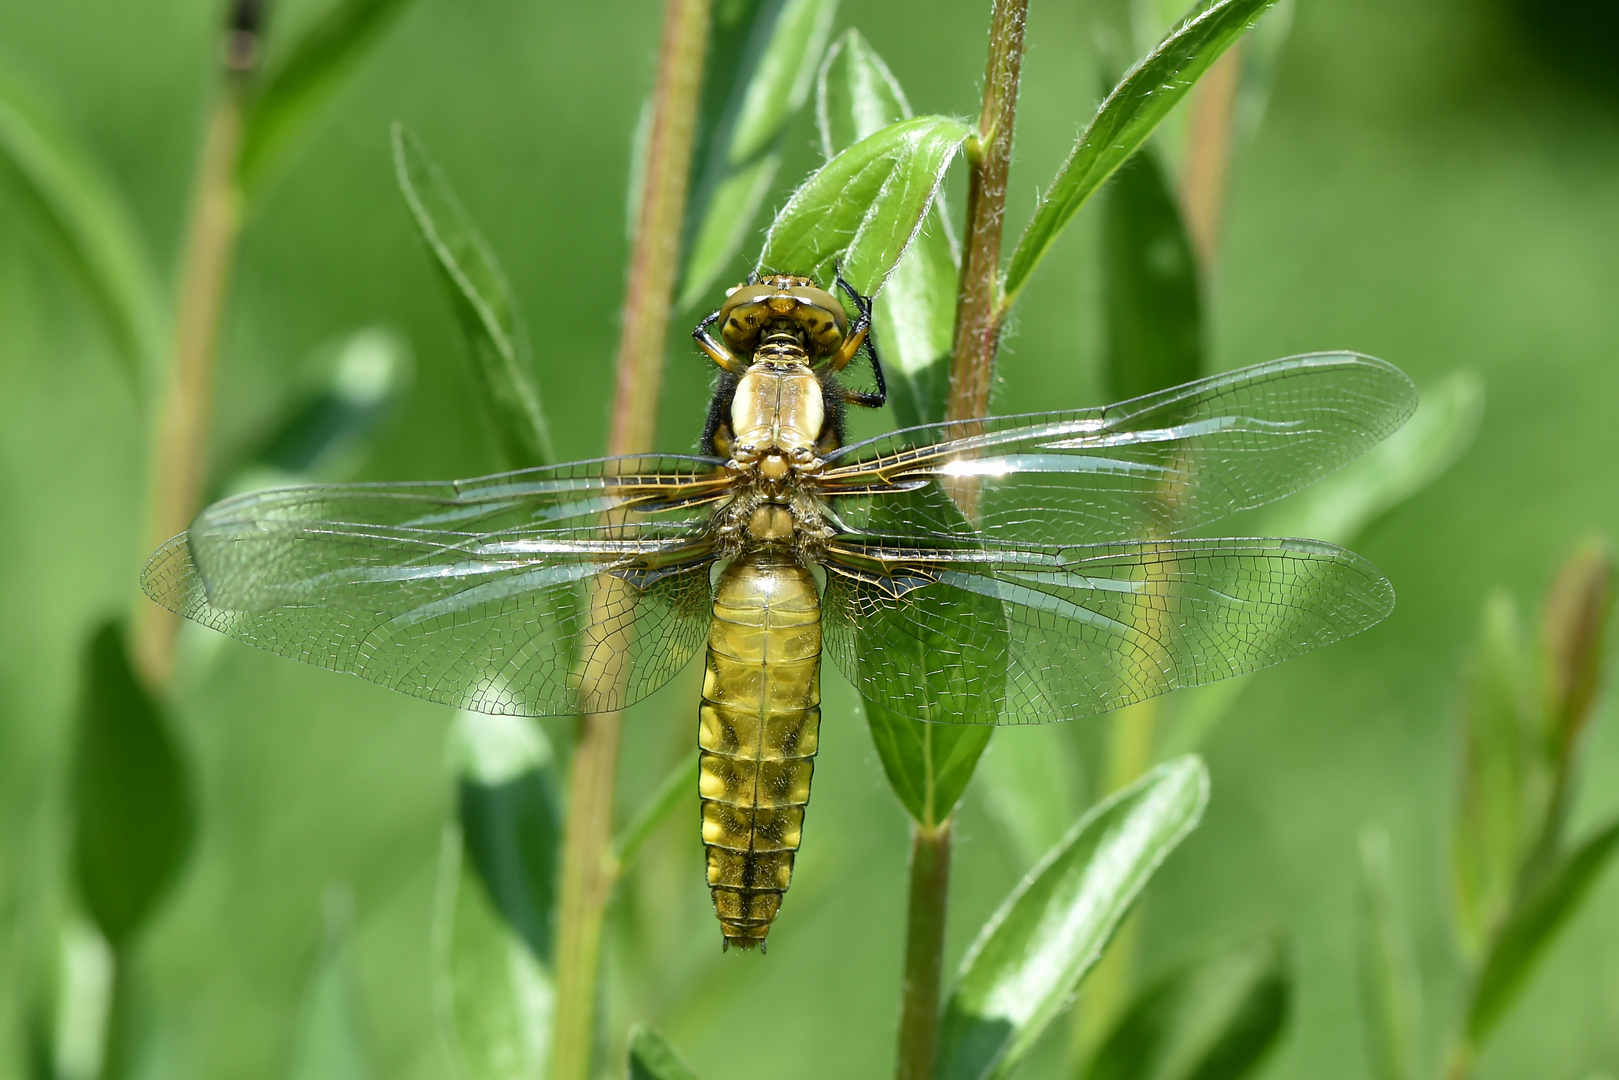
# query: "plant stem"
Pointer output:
{"type": "Point", "coordinates": [1208, 154]}
{"type": "Point", "coordinates": [588, 867]}
{"type": "Point", "coordinates": [180, 451]}
{"type": "Point", "coordinates": [979, 314]}
{"type": "Point", "coordinates": [924, 950]}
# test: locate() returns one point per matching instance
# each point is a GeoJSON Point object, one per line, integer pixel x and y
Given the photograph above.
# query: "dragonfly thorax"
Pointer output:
{"type": "Point", "coordinates": [777, 415]}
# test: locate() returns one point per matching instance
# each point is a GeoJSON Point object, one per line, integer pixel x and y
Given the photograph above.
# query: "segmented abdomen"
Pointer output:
{"type": "Point", "coordinates": [758, 727]}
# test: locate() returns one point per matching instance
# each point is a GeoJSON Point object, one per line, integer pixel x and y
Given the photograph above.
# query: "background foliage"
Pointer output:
{"type": "Point", "coordinates": [1431, 184]}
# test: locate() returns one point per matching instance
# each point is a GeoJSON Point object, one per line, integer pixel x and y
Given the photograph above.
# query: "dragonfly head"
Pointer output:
{"type": "Point", "coordinates": [783, 308]}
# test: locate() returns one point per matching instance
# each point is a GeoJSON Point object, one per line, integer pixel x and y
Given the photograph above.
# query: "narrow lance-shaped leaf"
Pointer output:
{"type": "Point", "coordinates": [1153, 298]}
{"type": "Point", "coordinates": [1532, 926]}
{"type": "Point", "coordinates": [329, 1044]}
{"type": "Point", "coordinates": [497, 888]}
{"type": "Point", "coordinates": [857, 96]}
{"type": "Point", "coordinates": [502, 371]}
{"type": "Point", "coordinates": [1034, 951]}
{"type": "Point", "coordinates": [757, 78]}
{"type": "Point", "coordinates": [1390, 994]}
{"type": "Point", "coordinates": [297, 87]}
{"type": "Point", "coordinates": [1130, 113]}
{"type": "Point", "coordinates": [1493, 817]}
{"type": "Point", "coordinates": [133, 818]}
{"type": "Point", "coordinates": [78, 206]}
{"type": "Point", "coordinates": [1572, 632]}
{"type": "Point", "coordinates": [1217, 1018]}
{"type": "Point", "coordinates": [864, 206]}
{"type": "Point", "coordinates": [652, 1058]}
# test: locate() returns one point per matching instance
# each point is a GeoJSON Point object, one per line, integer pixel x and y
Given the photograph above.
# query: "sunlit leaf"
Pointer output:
{"type": "Point", "coordinates": [1215, 1019]}
{"type": "Point", "coordinates": [502, 370]}
{"type": "Point", "coordinates": [496, 895]}
{"type": "Point", "coordinates": [1532, 926]}
{"type": "Point", "coordinates": [296, 88]}
{"type": "Point", "coordinates": [133, 817]}
{"type": "Point", "coordinates": [757, 78]}
{"type": "Point", "coordinates": [1030, 957]}
{"type": "Point", "coordinates": [651, 1058]}
{"type": "Point", "coordinates": [864, 206]}
{"type": "Point", "coordinates": [1153, 300]}
{"type": "Point", "coordinates": [1146, 94]}
{"type": "Point", "coordinates": [1439, 432]}
{"type": "Point", "coordinates": [78, 207]}
{"type": "Point", "coordinates": [1391, 999]}
{"type": "Point", "coordinates": [1493, 812]}
{"type": "Point", "coordinates": [857, 96]}
{"type": "Point", "coordinates": [328, 1044]}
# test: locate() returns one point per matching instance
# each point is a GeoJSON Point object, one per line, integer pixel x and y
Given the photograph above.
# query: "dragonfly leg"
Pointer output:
{"type": "Point", "coordinates": [716, 350]}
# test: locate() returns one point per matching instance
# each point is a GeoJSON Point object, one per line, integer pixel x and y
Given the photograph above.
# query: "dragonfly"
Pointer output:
{"type": "Point", "coordinates": [1003, 569]}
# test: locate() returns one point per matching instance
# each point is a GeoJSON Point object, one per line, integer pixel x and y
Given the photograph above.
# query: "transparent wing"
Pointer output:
{"type": "Point", "coordinates": [1031, 635]}
{"type": "Point", "coordinates": [506, 594]}
{"type": "Point", "coordinates": [1150, 467]}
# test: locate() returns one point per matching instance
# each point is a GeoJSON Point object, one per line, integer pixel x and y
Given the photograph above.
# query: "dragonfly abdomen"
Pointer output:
{"type": "Point", "coordinates": [758, 728]}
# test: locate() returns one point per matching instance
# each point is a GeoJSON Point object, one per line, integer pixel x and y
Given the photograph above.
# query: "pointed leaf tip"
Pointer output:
{"type": "Point", "coordinates": [652, 1058]}
{"type": "Point", "coordinates": [1033, 953]}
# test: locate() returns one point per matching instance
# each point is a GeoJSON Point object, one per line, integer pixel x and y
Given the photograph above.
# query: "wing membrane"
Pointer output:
{"type": "Point", "coordinates": [491, 594]}
{"type": "Point", "coordinates": [1055, 633]}
{"type": "Point", "coordinates": [1149, 467]}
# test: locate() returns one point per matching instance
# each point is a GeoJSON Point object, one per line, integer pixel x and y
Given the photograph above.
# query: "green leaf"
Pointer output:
{"type": "Point", "coordinates": [295, 90]}
{"type": "Point", "coordinates": [856, 97]}
{"type": "Point", "coordinates": [133, 817]}
{"type": "Point", "coordinates": [1494, 811]}
{"type": "Point", "coordinates": [1341, 505]}
{"type": "Point", "coordinates": [1573, 626]}
{"type": "Point", "coordinates": [1130, 113]}
{"type": "Point", "coordinates": [651, 1058]}
{"type": "Point", "coordinates": [864, 206]}
{"type": "Point", "coordinates": [1532, 926]}
{"type": "Point", "coordinates": [328, 1043]}
{"type": "Point", "coordinates": [1390, 993]}
{"type": "Point", "coordinates": [497, 890]}
{"type": "Point", "coordinates": [1032, 954]}
{"type": "Point", "coordinates": [502, 370]}
{"type": "Point", "coordinates": [929, 761]}
{"type": "Point", "coordinates": [1153, 298]}
{"type": "Point", "coordinates": [1215, 1019]}
{"type": "Point", "coordinates": [79, 208]}
{"type": "Point", "coordinates": [757, 77]}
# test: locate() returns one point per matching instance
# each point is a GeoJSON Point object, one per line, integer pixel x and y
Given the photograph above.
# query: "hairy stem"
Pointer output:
{"type": "Point", "coordinates": [180, 449]}
{"type": "Point", "coordinates": [588, 866]}
{"type": "Point", "coordinates": [979, 314]}
{"type": "Point", "coordinates": [924, 951]}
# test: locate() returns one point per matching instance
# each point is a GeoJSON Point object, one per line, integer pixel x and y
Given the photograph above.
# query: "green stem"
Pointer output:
{"type": "Point", "coordinates": [179, 456]}
{"type": "Point", "coordinates": [979, 313]}
{"type": "Point", "coordinates": [588, 866]}
{"type": "Point", "coordinates": [924, 951]}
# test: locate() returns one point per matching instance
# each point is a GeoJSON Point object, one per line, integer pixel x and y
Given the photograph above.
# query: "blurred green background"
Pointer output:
{"type": "Point", "coordinates": [1434, 183]}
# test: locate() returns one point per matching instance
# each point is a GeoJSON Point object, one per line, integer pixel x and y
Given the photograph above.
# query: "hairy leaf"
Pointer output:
{"type": "Point", "coordinates": [502, 370]}
{"type": "Point", "coordinates": [497, 890]}
{"type": "Point", "coordinates": [1390, 995]}
{"type": "Point", "coordinates": [81, 210]}
{"type": "Point", "coordinates": [856, 97]}
{"type": "Point", "coordinates": [757, 78]}
{"type": "Point", "coordinates": [1032, 954]}
{"type": "Point", "coordinates": [651, 1058]}
{"type": "Point", "coordinates": [1532, 926]}
{"type": "Point", "coordinates": [1153, 295]}
{"type": "Point", "coordinates": [863, 208]}
{"type": "Point", "coordinates": [305, 80]}
{"type": "Point", "coordinates": [133, 815]}
{"type": "Point", "coordinates": [1215, 1019]}
{"type": "Point", "coordinates": [1130, 113]}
